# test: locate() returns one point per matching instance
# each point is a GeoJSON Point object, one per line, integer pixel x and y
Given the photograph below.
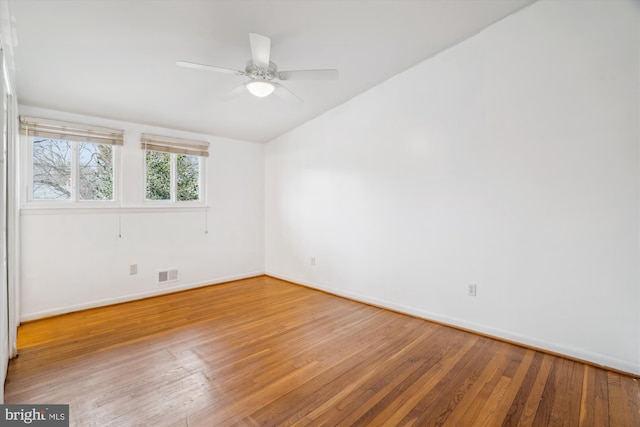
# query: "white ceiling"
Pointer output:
{"type": "Point", "coordinates": [116, 59]}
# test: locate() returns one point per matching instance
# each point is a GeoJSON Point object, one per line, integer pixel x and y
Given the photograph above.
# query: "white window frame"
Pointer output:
{"type": "Point", "coordinates": [173, 182]}
{"type": "Point", "coordinates": [174, 147]}
{"type": "Point", "coordinates": [29, 201]}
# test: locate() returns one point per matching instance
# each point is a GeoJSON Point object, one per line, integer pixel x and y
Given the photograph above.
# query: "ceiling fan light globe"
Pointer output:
{"type": "Point", "coordinates": [260, 89]}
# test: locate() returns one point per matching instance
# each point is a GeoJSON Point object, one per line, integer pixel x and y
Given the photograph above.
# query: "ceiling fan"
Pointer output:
{"type": "Point", "coordinates": [263, 74]}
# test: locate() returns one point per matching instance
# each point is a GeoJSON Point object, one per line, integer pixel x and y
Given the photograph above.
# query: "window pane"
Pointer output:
{"type": "Point", "coordinates": [95, 171]}
{"type": "Point", "coordinates": [188, 178]}
{"type": "Point", "coordinates": [158, 175]}
{"type": "Point", "coordinates": [51, 169]}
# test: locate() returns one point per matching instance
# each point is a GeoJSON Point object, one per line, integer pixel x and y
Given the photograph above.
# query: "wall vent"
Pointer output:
{"type": "Point", "coordinates": [165, 276]}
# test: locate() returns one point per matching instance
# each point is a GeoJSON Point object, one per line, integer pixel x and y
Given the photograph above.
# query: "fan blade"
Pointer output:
{"type": "Point", "coordinates": [286, 94]}
{"type": "Point", "coordinates": [209, 68]}
{"type": "Point", "coordinates": [260, 49]}
{"type": "Point", "coordinates": [234, 93]}
{"type": "Point", "coordinates": [308, 75]}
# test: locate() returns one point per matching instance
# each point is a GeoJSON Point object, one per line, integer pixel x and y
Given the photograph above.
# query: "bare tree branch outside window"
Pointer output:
{"type": "Point", "coordinates": [52, 163]}
{"type": "Point", "coordinates": [51, 169]}
{"type": "Point", "coordinates": [95, 171]}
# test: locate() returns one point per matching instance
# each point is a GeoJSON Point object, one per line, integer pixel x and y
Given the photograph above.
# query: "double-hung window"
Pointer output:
{"type": "Point", "coordinates": [174, 168]}
{"type": "Point", "coordinates": [71, 162]}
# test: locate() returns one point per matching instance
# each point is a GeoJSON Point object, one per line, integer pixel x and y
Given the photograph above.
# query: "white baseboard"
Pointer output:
{"type": "Point", "coordinates": [598, 359]}
{"type": "Point", "coordinates": [132, 297]}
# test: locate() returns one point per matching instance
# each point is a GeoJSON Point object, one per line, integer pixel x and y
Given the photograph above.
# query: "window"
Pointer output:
{"type": "Point", "coordinates": [71, 162]}
{"type": "Point", "coordinates": [95, 171]}
{"type": "Point", "coordinates": [173, 168]}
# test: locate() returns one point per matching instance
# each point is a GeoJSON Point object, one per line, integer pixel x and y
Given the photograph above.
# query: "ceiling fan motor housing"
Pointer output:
{"type": "Point", "coordinates": [258, 73]}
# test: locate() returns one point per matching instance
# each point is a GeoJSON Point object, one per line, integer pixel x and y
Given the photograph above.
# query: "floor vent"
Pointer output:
{"type": "Point", "coordinates": [165, 276]}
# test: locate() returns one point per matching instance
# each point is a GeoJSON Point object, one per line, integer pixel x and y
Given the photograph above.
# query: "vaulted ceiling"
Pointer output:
{"type": "Point", "coordinates": [117, 59]}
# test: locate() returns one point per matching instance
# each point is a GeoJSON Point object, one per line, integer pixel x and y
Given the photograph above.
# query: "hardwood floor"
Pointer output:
{"type": "Point", "coordinates": [262, 352]}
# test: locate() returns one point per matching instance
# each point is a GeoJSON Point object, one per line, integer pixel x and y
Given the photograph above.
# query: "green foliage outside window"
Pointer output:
{"type": "Point", "coordinates": [159, 184]}
{"type": "Point", "coordinates": [188, 178]}
{"type": "Point", "coordinates": [158, 175]}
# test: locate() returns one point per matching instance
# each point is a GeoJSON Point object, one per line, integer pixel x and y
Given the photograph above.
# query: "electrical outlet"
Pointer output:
{"type": "Point", "coordinates": [471, 290]}
{"type": "Point", "coordinates": [133, 269]}
{"type": "Point", "coordinates": [313, 260]}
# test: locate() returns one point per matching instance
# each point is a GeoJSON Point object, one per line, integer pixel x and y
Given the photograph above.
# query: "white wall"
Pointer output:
{"type": "Point", "coordinates": [510, 160]}
{"type": "Point", "coordinates": [73, 259]}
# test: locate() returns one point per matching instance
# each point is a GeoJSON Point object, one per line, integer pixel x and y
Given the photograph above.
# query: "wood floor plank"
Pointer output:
{"type": "Point", "coordinates": [498, 412]}
{"type": "Point", "coordinates": [623, 398]}
{"type": "Point", "coordinates": [437, 405]}
{"type": "Point", "coordinates": [476, 407]}
{"type": "Point", "coordinates": [587, 404]}
{"type": "Point", "coordinates": [567, 411]}
{"type": "Point", "coordinates": [631, 386]}
{"type": "Point", "coordinates": [519, 401]}
{"type": "Point", "coordinates": [359, 396]}
{"type": "Point", "coordinates": [532, 405]}
{"type": "Point", "coordinates": [402, 399]}
{"type": "Point", "coordinates": [314, 391]}
{"type": "Point", "coordinates": [265, 352]}
{"type": "Point", "coordinates": [601, 396]}
{"type": "Point", "coordinates": [492, 370]}
{"type": "Point", "coordinates": [550, 396]}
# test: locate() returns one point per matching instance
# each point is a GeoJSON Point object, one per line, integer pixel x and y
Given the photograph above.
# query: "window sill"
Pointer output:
{"type": "Point", "coordinates": [93, 209]}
